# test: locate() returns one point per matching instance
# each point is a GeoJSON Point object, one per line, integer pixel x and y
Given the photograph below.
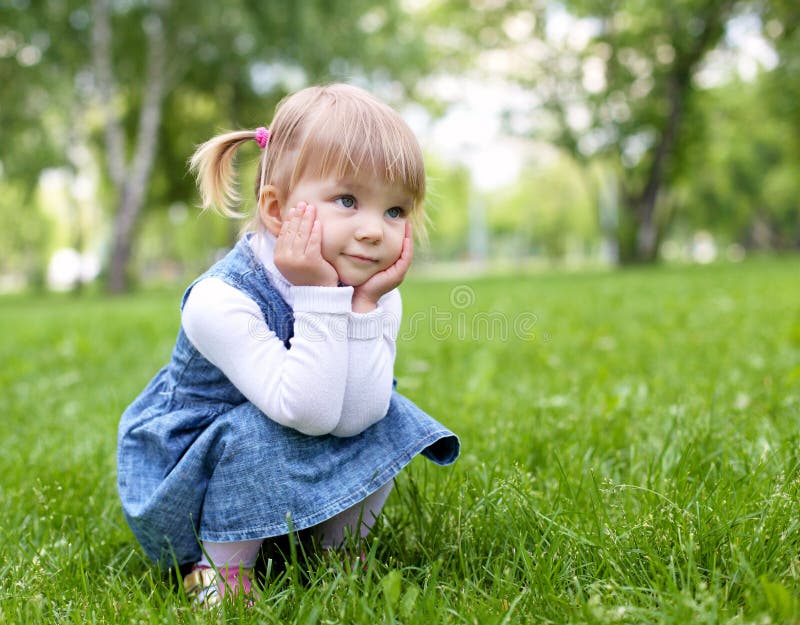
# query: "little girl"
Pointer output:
{"type": "Point", "coordinates": [277, 411]}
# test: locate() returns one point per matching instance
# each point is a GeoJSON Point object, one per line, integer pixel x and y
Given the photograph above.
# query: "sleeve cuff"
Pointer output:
{"type": "Point", "coordinates": [372, 325]}
{"type": "Point", "coordinates": [322, 299]}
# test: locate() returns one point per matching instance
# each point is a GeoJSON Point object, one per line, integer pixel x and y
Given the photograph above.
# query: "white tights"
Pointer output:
{"type": "Point", "coordinates": [356, 520]}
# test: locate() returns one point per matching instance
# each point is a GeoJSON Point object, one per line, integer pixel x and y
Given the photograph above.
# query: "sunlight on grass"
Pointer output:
{"type": "Point", "coordinates": [630, 454]}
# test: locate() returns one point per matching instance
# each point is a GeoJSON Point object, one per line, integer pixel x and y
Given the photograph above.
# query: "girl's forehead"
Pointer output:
{"type": "Point", "coordinates": [362, 182]}
{"type": "Point", "coordinates": [367, 168]}
{"type": "Point", "coordinates": [342, 171]}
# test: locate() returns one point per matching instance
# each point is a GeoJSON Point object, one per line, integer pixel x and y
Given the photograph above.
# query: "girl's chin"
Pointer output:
{"type": "Point", "coordinates": [349, 279]}
{"type": "Point", "coordinates": [353, 283]}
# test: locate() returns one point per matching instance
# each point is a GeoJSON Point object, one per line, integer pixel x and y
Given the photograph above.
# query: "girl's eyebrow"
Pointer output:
{"type": "Point", "coordinates": [349, 183]}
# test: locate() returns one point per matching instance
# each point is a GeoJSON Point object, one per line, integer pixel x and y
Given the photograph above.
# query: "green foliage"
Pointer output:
{"type": "Point", "coordinates": [606, 90]}
{"type": "Point", "coordinates": [630, 454]}
{"type": "Point", "coordinates": [548, 209]}
{"type": "Point", "coordinates": [37, 103]}
{"type": "Point", "coordinates": [618, 82]}
{"type": "Point", "coordinates": [447, 207]}
{"type": "Point", "coordinates": [181, 242]}
{"type": "Point", "coordinates": [25, 235]}
{"type": "Point", "coordinates": [748, 191]}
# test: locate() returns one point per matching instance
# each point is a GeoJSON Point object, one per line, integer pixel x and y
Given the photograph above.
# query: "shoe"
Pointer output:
{"type": "Point", "coordinates": [206, 587]}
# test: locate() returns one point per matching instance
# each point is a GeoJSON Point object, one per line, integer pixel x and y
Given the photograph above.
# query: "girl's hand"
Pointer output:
{"type": "Point", "coordinates": [366, 295]}
{"type": "Point", "coordinates": [298, 251]}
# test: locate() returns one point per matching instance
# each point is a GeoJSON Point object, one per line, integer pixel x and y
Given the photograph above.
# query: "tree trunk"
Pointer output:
{"type": "Point", "coordinates": [130, 180]}
{"type": "Point", "coordinates": [127, 214]}
{"type": "Point", "coordinates": [648, 229]}
{"type": "Point", "coordinates": [644, 207]}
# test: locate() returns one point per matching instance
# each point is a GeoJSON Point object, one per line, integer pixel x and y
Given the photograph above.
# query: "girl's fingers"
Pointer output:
{"type": "Point", "coordinates": [408, 242]}
{"type": "Point", "coordinates": [315, 238]}
{"type": "Point", "coordinates": [288, 228]}
{"type": "Point", "coordinates": [295, 218]}
{"type": "Point", "coordinates": [407, 252]}
{"type": "Point", "coordinates": [304, 230]}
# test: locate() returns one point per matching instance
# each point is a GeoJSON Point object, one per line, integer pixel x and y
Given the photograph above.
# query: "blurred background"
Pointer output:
{"type": "Point", "coordinates": [584, 133]}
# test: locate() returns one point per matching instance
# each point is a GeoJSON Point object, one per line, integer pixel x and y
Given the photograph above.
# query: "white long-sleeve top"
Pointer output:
{"type": "Point", "coordinates": [337, 376]}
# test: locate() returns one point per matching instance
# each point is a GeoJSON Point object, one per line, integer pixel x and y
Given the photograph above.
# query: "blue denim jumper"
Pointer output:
{"type": "Point", "coordinates": [197, 461]}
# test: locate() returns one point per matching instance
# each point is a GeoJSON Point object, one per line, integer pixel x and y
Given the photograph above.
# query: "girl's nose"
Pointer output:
{"type": "Point", "coordinates": [369, 228]}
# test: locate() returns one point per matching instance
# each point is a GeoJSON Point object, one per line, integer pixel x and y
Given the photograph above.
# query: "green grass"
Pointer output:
{"type": "Point", "coordinates": [631, 454]}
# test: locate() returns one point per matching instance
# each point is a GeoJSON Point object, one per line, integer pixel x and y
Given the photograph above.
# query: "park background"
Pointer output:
{"type": "Point", "coordinates": [556, 134]}
{"type": "Point", "coordinates": [607, 313]}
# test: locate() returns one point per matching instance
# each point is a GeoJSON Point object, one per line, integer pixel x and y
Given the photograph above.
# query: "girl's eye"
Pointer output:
{"type": "Point", "coordinates": [346, 201]}
{"type": "Point", "coordinates": [396, 212]}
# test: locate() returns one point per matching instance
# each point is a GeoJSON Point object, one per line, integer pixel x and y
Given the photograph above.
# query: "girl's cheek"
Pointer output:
{"type": "Point", "coordinates": [326, 251]}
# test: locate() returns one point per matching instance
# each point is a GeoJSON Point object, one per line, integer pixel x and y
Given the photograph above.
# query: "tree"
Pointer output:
{"type": "Point", "coordinates": [623, 94]}
{"type": "Point", "coordinates": [611, 82]}
{"type": "Point", "coordinates": [129, 177]}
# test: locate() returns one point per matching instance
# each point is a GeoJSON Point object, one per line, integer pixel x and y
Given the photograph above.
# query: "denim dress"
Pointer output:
{"type": "Point", "coordinates": [197, 461]}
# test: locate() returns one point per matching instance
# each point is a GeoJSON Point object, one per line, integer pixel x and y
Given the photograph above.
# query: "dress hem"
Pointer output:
{"type": "Point", "coordinates": [292, 524]}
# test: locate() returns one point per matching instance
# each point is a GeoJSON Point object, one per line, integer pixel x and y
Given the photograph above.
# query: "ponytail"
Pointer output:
{"type": "Point", "coordinates": [213, 166]}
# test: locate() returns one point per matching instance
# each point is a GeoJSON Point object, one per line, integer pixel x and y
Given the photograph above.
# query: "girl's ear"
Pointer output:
{"type": "Point", "coordinates": [270, 203]}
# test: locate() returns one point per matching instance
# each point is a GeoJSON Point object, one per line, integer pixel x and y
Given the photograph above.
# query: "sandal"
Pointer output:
{"type": "Point", "coordinates": [206, 587]}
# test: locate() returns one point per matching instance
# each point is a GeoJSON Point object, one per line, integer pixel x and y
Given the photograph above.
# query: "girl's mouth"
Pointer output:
{"type": "Point", "coordinates": [366, 260]}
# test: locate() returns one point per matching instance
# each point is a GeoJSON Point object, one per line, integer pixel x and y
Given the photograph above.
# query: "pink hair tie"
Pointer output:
{"type": "Point", "coordinates": [262, 136]}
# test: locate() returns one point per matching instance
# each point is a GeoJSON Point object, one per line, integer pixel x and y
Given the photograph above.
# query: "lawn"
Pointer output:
{"type": "Point", "coordinates": [630, 454]}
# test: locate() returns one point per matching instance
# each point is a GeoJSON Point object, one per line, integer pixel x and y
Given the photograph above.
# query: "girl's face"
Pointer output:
{"type": "Point", "coordinates": [363, 222]}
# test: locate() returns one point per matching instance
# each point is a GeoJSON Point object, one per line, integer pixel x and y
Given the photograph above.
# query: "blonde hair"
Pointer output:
{"type": "Point", "coordinates": [334, 130]}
